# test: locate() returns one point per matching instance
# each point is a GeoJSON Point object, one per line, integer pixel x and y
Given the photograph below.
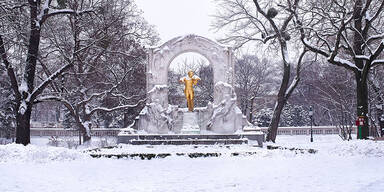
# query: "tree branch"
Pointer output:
{"type": "Point", "coordinates": [52, 77]}
{"type": "Point", "coordinates": [9, 68]}
{"type": "Point", "coordinates": [296, 80]}
{"type": "Point", "coordinates": [102, 109]}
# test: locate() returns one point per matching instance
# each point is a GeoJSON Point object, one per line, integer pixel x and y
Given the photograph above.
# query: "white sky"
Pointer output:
{"type": "Point", "coordinates": [174, 18]}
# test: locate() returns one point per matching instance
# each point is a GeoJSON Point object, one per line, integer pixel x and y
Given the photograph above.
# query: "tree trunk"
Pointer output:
{"type": "Point", "coordinates": [361, 76]}
{"type": "Point", "coordinates": [272, 129]}
{"type": "Point", "coordinates": [126, 120]}
{"type": "Point", "coordinates": [362, 104]}
{"type": "Point", "coordinates": [83, 130]}
{"type": "Point", "coordinates": [86, 132]}
{"type": "Point", "coordinates": [23, 126]}
{"type": "Point", "coordinates": [23, 119]}
{"type": "Point", "coordinates": [281, 100]}
{"type": "Point", "coordinates": [86, 137]}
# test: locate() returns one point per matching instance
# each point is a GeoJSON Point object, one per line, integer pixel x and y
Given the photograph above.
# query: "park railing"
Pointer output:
{"type": "Point", "coordinates": [306, 130]}
{"type": "Point", "coordinates": [101, 132]}
{"type": "Point", "coordinates": [98, 132]}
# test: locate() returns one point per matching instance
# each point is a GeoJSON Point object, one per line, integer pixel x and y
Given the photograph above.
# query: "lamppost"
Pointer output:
{"type": "Point", "coordinates": [382, 120]}
{"type": "Point", "coordinates": [311, 116]}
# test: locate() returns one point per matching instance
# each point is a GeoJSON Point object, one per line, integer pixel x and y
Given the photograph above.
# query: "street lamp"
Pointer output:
{"type": "Point", "coordinates": [311, 116]}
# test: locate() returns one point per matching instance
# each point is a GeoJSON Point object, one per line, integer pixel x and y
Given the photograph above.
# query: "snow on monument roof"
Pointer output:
{"type": "Point", "coordinates": [188, 36]}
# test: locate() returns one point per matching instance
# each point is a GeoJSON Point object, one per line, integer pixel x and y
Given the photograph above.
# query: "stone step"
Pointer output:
{"type": "Point", "coordinates": [129, 138]}
{"type": "Point", "coordinates": [190, 142]}
{"type": "Point", "coordinates": [183, 136]}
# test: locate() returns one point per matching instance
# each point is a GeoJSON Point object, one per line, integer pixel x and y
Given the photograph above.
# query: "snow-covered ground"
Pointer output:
{"type": "Point", "coordinates": [354, 166]}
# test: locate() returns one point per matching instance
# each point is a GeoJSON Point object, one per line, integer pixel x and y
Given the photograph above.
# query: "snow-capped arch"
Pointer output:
{"type": "Point", "coordinates": [219, 56]}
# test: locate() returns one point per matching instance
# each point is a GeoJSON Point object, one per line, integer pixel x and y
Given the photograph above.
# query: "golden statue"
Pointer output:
{"type": "Point", "coordinates": [189, 82]}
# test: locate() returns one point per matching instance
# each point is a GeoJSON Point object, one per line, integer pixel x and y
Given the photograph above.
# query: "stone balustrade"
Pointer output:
{"type": "Point", "coordinates": [306, 130]}
{"type": "Point", "coordinates": [100, 132]}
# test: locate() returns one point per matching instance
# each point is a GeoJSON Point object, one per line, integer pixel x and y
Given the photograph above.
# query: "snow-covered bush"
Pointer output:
{"type": "Point", "coordinates": [71, 142]}
{"type": "Point", "coordinates": [4, 141]}
{"type": "Point", "coordinates": [68, 142]}
{"type": "Point", "coordinates": [292, 115]}
{"type": "Point", "coordinates": [263, 117]}
{"type": "Point", "coordinates": [54, 141]}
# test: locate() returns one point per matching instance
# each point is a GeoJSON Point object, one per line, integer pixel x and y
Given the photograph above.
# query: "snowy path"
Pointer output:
{"type": "Point", "coordinates": [315, 173]}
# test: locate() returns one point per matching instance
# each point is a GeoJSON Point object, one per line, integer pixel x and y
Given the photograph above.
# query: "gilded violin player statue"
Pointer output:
{"type": "Point", "coordinates": [189, 82]}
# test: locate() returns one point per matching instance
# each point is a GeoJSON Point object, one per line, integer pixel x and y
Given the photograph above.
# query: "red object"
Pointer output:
{"type": "Point", "coordinates": [360, 121]}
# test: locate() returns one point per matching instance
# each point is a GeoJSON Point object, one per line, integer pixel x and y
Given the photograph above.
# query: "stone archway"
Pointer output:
{"type": "Point", "coordinates": [159, 58]}
{"type": "Point", "coordinates": [223, 116]}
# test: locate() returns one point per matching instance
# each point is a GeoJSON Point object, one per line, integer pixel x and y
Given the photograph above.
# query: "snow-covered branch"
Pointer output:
{"type": "Point", "coordinates": [370, 19]}
{"type": "Point", "coordinates": [121, 107]}
{"type": "Point", "coordinates": [39, 89]}
{"type": "Point", "coordinates": [109, 91]}
{"type": "Point", "coordinates": [343, 63]}
{"type": "Point", "coordinates": [296, 80]}
{"type": "Point", "coordinates": [377, 52]}
{"type": "Point", "coordinates": [362, 57]}
{"type": "Point", "coordinates": [65, 102]}
{"type": "Point", "coordinates": [125, 97]}
{"type": "Point", "coordinates": [332, 55]}
{"type": "Point", "coordinates": [47, 12]}
{"type": "Point", "coordinates": [378, 62]}
{"type": "Point", "coordinates": [375, 37]}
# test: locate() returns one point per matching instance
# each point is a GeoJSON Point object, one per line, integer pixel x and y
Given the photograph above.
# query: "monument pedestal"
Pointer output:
{"type": "Point", "coordinates": [190, 123]}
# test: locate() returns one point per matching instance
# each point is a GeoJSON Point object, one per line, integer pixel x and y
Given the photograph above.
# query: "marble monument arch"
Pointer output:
{"type": "Point", "coordinates": [221, 116]}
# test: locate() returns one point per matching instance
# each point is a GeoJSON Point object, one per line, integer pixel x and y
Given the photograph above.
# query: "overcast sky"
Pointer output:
{"type": "Point", "coordinates": [174, 18]}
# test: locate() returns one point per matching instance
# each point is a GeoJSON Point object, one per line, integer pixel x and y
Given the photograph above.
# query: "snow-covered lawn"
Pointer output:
{"type": "Point", "coordinates": [353, 166]}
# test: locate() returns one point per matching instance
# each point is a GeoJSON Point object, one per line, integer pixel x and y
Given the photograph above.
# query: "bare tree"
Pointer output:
{"type": "Point", "coordinates": [252, 23]}
{"type": "Point", "coordinates": [205, 86]}
{"type": "Point", "coordinates": [103, 77]}
{"type": "Point", "coordinates": [334, 92]}
{"type": "Point", "coordinates": [251, 77]}
{"type": "Point", "coordinates": [376, 89]}
{"type": "Point", "coordinates": [190, 64]}
{"type": "Point", "coordinates": [34, 14]}
{"type": "Point", "coordinates": [348, 34]}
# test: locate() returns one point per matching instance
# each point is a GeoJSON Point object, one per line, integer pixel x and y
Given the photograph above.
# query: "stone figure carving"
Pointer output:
{"type": "Point", "coordinates": [155, 118]}
{"type": "Point", "coordinates": [189, 82]}
{"type": "Point", "coordinates": [226, 116]}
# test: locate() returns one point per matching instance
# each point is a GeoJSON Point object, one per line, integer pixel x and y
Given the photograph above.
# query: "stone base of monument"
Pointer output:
{"type": "Point", "coordinates": [191, 139]}
{"type": "Point", "coordinates": [190, 123]}
{"type": "Point", "coordinates": [211, 125]}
